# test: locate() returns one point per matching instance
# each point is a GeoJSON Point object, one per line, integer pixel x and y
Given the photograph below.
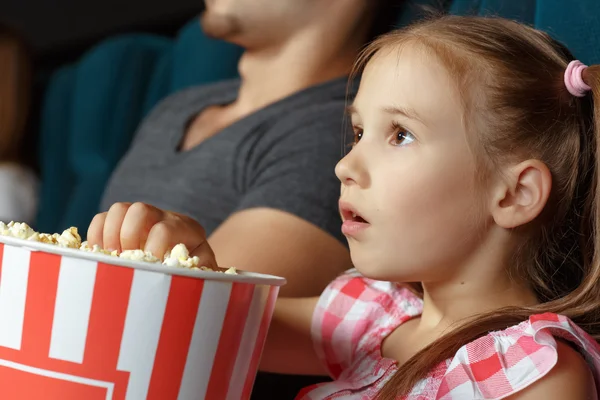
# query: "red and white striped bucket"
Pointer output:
{"type": "Point", "coordinates": [76, 325]}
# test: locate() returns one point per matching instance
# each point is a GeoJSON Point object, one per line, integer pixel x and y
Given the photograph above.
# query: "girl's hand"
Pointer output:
{"type": "Point", "coordinates": [134, 226]}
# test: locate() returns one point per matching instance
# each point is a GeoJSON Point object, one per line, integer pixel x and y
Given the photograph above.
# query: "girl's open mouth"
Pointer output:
{"type": "Point", "coordinates": [353, 222]}
{"type": "Point", "coordinates": [357, 218]}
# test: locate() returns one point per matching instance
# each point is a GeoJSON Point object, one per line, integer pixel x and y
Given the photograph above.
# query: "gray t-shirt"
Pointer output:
{"type": "Point", "coordinates": [281, 157]}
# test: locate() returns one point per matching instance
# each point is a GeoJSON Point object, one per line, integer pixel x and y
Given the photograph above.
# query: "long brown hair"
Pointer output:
{"type": "Point", "coordinates": [516, 106]}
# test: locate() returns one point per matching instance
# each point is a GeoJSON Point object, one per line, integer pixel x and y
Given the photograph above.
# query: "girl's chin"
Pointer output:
{"type": "Point", "coordinates": [381, 273]}
{"type": "Point", "coordinates": [372, 272]}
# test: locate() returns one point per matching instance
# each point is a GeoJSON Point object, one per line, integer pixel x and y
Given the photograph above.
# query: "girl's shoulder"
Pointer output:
{"type": "Point", "coordinates": [505, 362]}
{"type": "Point", "coordinates": [356, 297]}
{"type": "Point", "coordinates": [353, 316]}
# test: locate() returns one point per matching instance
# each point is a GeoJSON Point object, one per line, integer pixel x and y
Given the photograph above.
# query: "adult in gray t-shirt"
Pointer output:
{"type": "Point", "coordinates": [281, 157]}
{"type": "Point", "coordinates": [253, 161]}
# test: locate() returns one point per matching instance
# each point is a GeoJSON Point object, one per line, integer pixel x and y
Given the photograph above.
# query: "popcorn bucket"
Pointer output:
{"type": "Point", "coordinates": [76, 325]}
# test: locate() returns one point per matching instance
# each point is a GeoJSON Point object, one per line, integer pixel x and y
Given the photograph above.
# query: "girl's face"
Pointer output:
{"type": "Point", "coordinates": [410, 175]}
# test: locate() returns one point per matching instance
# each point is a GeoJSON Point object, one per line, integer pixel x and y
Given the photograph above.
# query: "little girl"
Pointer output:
{"type": "Point", "coordinates": [470, 200]}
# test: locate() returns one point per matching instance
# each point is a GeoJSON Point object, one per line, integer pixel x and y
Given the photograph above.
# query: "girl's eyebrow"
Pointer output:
{"type": "Point", "coordinates": [393, 110]}
{"type": "Point", "coordinates": [407, 112]}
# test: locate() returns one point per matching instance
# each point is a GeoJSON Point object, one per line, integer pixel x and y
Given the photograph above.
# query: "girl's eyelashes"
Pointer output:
{"type": "Point", "coordinates": [358, 134]}
{"type": "Point", "coordinates": [400, 137]}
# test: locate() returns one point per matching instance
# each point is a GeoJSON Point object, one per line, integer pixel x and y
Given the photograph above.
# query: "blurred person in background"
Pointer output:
{"type": "Point", "coordinates": [18, 183]}
{"type": "Point", "coordinates": [252, 160]}
{"type": "Point", "coordinates": [241, 157]}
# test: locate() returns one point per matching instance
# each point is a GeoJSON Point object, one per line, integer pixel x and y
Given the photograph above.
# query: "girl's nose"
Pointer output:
{"type": "Point", "coordinates": [351, 169]}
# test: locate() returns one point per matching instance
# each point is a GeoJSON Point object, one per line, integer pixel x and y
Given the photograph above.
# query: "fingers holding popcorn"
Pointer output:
{"type": "Point", "coordinates": [144, 233]}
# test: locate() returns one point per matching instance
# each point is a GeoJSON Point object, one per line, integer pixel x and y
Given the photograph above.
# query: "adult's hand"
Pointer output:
{"type": "Point", "coordinates": [129, 226]}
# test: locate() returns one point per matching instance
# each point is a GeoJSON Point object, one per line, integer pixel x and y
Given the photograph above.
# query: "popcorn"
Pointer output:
{"type": "Point", "coordinates": [171, 262]}
{"type": "Point", "coordinates": [43, 238]}
{"type": "Point", "coordinates": [85, 246]}
{"type": "Point", "coordinates": [97, 249]}
{"type": "Point", "coordinates": [19, 230]}
{"type": "Point", "coordinates": [230, 271]}
{"type": "Point", "coordinates": [179, 252]}
{"type": "Point", "coordinates": [178, 257]}
{"type": "Point", "coordinates": [35, 237]}
{"type": "Point", "coordinates": [139, 255]}
{"type": "Point", "coordinates": [70, 238]}
{"type": "Point", "coordinates": [47, 238]}
{"type": "Point", "coordinates": [3, 229]}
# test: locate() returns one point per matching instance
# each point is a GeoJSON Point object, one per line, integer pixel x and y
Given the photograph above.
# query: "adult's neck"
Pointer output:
{"type": "Point", "coordinates": [273, 73]}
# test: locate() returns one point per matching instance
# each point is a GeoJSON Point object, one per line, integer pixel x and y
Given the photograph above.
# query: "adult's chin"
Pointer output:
{"type": "Point", "coordinates": [219, 26]}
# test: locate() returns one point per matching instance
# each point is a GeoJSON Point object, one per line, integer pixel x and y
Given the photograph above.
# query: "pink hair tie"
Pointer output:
{"type": "Point", "coordinates": [574, 79]}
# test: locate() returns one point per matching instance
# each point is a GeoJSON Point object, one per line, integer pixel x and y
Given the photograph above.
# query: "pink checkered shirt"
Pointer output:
{"type": "Point", "coordinates": [354, 314]}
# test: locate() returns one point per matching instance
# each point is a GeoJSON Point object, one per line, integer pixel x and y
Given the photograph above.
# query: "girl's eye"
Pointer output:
{"type": "Point", "coordinates": [358, 134]}
{"type": "Point", "coordinates": [402, 137]}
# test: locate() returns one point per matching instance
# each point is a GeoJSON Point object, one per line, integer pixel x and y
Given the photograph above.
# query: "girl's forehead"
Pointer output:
{"type": "Point", "coordinates": [409, 77]}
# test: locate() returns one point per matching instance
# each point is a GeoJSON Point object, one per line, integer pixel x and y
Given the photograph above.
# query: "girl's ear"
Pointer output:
{"type": "Point", "coordinates": [522, 195]}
